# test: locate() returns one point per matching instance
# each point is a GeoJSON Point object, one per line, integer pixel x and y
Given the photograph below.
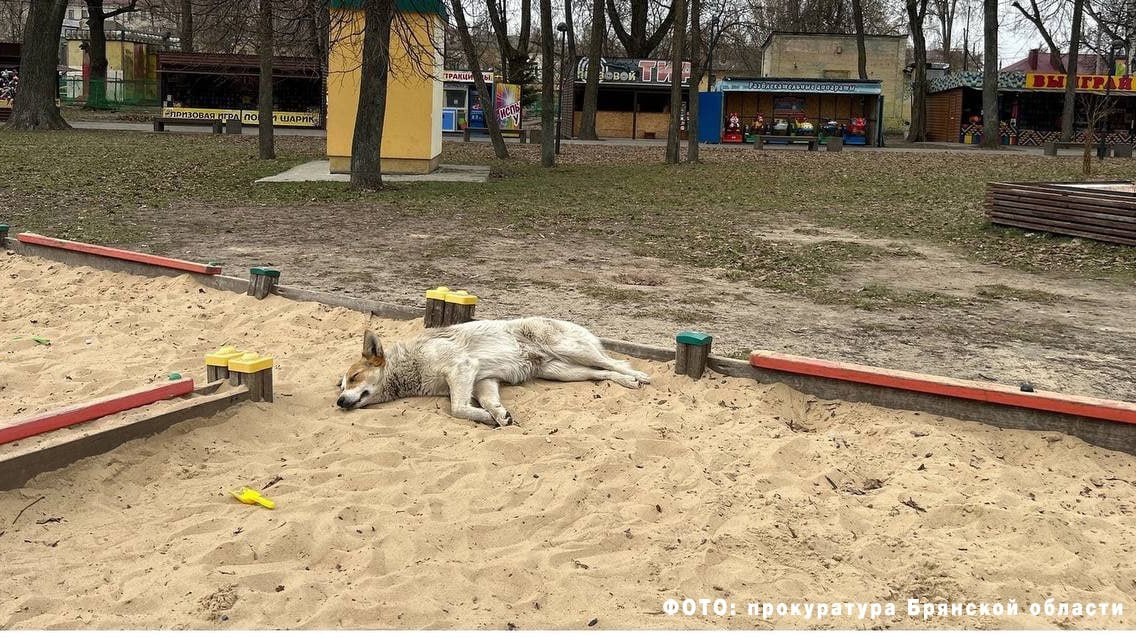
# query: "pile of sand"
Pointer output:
{"type": "Point", "coordinates": [602, 504]}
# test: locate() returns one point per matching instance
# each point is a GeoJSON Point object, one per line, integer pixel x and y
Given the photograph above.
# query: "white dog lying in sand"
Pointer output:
{"type": "Point", "coordinates": [470, 360]}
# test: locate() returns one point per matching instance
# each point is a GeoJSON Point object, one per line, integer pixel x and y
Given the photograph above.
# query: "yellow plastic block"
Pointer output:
{"type": "Point", "coordinates": [438, 293]}
{"type": "Point", "coordinates": [249, 363]}
{"type": "Point", "coordinates": [222, 356]}
{"type": "Point", "coordinates": [461, 297]}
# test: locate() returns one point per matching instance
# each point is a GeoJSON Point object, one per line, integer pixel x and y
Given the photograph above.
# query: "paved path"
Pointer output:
{"type": "Point", "coordinates": [895, 147]}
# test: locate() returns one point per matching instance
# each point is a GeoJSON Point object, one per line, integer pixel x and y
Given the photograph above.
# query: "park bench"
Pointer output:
{"type": "Point", "coordinates": [160, 123]}
{"type": "Point", "coordinates": [811, 140]}
{"type": "Point", "coordinates": [1118, 150]}
{"type": "Point", "coordinates": [521, 134]}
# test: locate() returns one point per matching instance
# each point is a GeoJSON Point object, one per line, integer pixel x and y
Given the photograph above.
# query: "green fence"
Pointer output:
{"type": "Point", "coordinates": [109, 93]}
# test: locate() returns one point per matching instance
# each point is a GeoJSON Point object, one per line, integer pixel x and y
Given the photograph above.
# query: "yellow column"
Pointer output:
{"type": "Point", "coordinates": [412, 129]}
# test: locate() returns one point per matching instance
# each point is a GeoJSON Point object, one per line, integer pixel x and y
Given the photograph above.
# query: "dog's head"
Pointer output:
{"type": "Point", "coordinates": [361, 384]}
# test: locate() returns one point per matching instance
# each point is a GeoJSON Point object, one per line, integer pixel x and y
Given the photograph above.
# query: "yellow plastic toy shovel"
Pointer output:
{"type": "Point", "coordinates": [249, 496]}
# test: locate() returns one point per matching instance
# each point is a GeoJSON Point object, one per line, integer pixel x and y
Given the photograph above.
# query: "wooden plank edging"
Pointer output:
{"type": "Point", "coordinates": [1084, 406]}
{"type": "Point", "coordinates": [25, 460]}
{"type": "Point", "coordinates": [118, 253]}
{"type": "Point", "coordinates": [34, 424]}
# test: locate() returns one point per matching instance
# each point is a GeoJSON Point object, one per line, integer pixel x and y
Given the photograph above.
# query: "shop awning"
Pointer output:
{"type": "Point", "coordinates": [235, 65]}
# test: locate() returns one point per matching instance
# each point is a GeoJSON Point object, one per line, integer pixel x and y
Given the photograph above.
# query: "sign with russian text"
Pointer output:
{"type": "Point", "coordinates": [1085, 83]}
{"type": "Point", "coordinates": [508, 99]}
{"type": "Point", "coordinates": [633, 71]}
{"type": "Point", "coordinates": [279, 118]}
{"type": "Point", "coordinates": [800, 86]}
{"type": "Point", "coordinates": [465, 76]}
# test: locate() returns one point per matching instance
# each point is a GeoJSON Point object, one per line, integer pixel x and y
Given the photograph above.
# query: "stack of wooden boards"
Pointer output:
{"type": "Point", "coordinates": [1105, 211]}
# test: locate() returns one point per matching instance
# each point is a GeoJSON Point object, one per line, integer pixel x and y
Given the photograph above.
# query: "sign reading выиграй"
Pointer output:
{"type": "Point", "coordinates": [1085, 83]}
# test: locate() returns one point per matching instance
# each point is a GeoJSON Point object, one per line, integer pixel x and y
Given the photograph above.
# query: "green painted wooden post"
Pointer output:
{"type": "Point", "coordinates": [692, 351]}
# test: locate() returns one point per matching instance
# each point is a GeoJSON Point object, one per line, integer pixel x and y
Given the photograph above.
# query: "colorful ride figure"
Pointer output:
{"type": "Point", "coordinates": [733, 134]}
{"type": "Point", "coordinates": [757, 127]}
{"type": "Point", "coordinates": [804, 127]}
{"type": "Point", "coordinates": [829, 129]}
{"type": "Point", "coordinates": [780, 127]}
{"type": "Point", "coordinates": [857, 132]}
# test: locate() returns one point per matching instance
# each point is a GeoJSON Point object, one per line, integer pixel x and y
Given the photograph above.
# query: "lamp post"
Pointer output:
{"type": "Point", "coordinates": [563, 29]}
{"type": "Point", "coordinates": [1106, 124]}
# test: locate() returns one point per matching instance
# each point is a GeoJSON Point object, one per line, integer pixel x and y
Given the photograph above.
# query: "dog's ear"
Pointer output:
{"type": "Point", "coordinates": [373, 349]}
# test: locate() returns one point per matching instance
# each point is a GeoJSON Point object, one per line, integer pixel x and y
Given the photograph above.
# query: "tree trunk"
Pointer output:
{"type": "Point", "coordinates": [568, 21]}
{"type": "Point", "coordinates": [265, 44]}
{"type": "Point", "coordinates": [861, 49]}
{"type": "Point", "coordinates": [366, 143]}
{"type": "Point", "coordinates": [695, 80]}
{"type": "Point", "coordinates": [35, 105]}
{"type": "Point", "coordinates": [491, 119]}
{"type": "Point", "coordinates": [185, 34]}
{"type": "Point", "coordinates": [916, 12]}
{"type": "Point", "coordinates": [678, 37]}
{"type": "Point", "coordinates": [1069, 108]}
{"type": "Point", "coordinates": [991, 137]}
{"type": "Point", "coordinates": [96, 51]}
{"type": "Point", "coordinates": [592, 86]}
{"type": "Point", "coordinates": [548, 87]}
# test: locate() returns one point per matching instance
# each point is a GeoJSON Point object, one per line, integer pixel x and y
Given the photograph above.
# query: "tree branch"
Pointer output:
{"type": "Point", "coordinates": [1039, 24]}
{"type": "Point", "coordinates": [133, 6]}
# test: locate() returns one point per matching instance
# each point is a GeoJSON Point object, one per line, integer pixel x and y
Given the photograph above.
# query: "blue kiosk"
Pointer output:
{"type": "Point", "coordinates": [855, 105]}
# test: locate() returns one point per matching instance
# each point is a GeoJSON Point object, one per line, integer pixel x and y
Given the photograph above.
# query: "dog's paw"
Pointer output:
{"type": "Point", "coordinates": [504, 420]}
{"type": "Point", "coordinates": [629, 382]}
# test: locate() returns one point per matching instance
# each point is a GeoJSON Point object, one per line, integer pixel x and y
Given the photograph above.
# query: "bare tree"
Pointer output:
{"type": "Point", "coordinates": [35, 106]}
{"type": "Point", "coordinates": [1097, 109]}
{"type": "Point", "coordinates": [514, 58]}
{"type": "Point", "coordinates": [13, 14]}
{"type": "Point", "coordinates": [548, 87]}
{"type": "Point", "coordinates": [1040, 20]}
{"type": "Point", "coordinates": [366, 143]}
{"type": "Point", "coordinates": [696, 71]}
{"type": "Point", "coordinates": [97, 16]}
{"type": "Point", "coordinates": [861, 48]}
{"type": "Point", "coordinates": [916, 13]}
{"type": "Point", "coordinates": [636, 40]}
{"type": "Point", "coordinates": [1069, 107]}
{"type": "Point", "coordinates": [266, 39]}
{"type": "Point", "coordinates": [491, 119]}
{"type": "Point", "coordinates": [592, 83]}
{"type": "Point", "coordinates": [945, 12]}
{"type": "Point", "coordinates": [674, 147]}
{"type": "Point", "coordinates": [991, 134]}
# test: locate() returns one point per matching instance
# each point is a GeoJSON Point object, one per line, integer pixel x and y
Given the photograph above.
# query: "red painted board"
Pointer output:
{"type": "Point", "coordinates": [116, 253]}
{"type": "Point", "coordinates": [1099, 408]}
{"type": "Point", "coordinates": [83, 412]}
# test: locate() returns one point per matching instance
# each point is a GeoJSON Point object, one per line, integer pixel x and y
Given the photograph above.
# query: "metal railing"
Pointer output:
{"type": "Point", "coordinates": [109, 93]}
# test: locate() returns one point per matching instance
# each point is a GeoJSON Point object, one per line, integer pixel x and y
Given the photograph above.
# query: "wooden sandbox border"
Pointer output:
{"type": "Point", "coordinates": [1110, 427]}
{"type": "Point", "coordinates": [26, 458]}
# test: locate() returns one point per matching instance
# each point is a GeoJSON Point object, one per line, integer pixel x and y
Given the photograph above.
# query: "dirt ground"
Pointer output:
{"type": "Point", "coordinates": [1008, 326]}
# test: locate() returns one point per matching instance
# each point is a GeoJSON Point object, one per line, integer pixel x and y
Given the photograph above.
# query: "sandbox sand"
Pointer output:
{"type": "Point", "coordinates": [603, 503]}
